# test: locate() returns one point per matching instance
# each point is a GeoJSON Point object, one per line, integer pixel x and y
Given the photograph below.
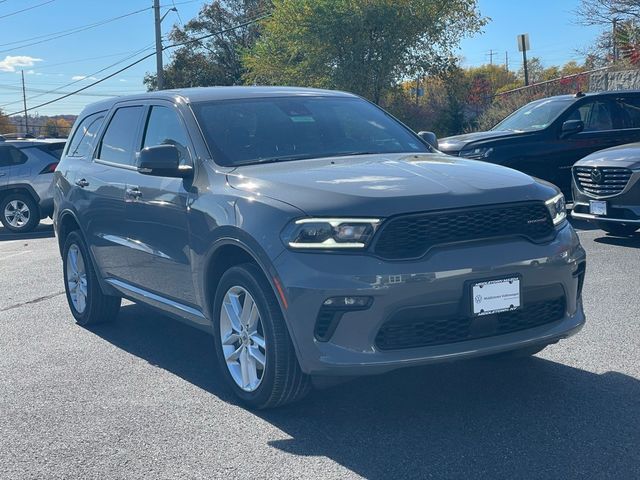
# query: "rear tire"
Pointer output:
{"type": "Point", "coordinates": [88, 304]}
{"type": "Point", "coordinates": [19, 213]}
{"type": "Point", "coordinates": [619, 229]}
{"type": "Point", "coordinates": [254, 351]}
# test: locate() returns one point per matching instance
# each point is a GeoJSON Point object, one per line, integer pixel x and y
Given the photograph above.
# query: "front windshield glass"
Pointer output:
{"type": "Point", "coordinates": [271, 129]}
{"type": "Point", "coordinates": [534, 116]}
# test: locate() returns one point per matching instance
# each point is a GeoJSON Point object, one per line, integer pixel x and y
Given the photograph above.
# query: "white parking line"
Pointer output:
{"type": "Point", "coordinates": [14, 254]}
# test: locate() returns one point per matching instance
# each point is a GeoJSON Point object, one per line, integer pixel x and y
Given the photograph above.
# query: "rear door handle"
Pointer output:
{"type": "Point", "coordinates": [82, 183]}
{"type": "Point", "coordinates": [133, 192]}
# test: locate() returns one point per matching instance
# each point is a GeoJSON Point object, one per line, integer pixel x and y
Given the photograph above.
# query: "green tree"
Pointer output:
{"type": "Point", "coordinates": [215, 60]}
{"type": "Point", "coordinates": [364, 46]}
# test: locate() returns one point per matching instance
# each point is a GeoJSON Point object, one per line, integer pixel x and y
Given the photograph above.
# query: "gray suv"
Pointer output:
{"type": "Point", "coordinates": [26, 173]}
{"type": "Point", "coordinates": [311, 234]}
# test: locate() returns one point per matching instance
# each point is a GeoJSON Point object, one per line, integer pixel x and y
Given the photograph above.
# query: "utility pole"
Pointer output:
{"type": "Point", "coordinates": [506, 61]}
{"type": "Point", "coordinates": [159, 70]}
{"type": "Point", "coordinates": [24, 102]}
{"type": "Point", "coordinates": [491, 57]}
{"type": "Point", "coordinates": [613, 40]}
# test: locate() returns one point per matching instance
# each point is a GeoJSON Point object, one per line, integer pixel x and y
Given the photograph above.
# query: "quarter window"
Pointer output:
{"type": "Point", "coordinates": [629, 112]}
{"type": "Point", "coordinates": [165, 128]}
{"type": "Point", "coordinates": [10, 155]}
{"type": "Point", "coordinates": [84, 137]}
{"type": "Point", "coordinates": [118, 141]}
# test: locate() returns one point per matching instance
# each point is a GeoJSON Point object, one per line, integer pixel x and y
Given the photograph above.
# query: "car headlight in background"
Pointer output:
{"type": "Point", "coordinates": [330, 233]}
{"type": "Point", "coordinates": [557, 208]}
{"type": "Point", "coordinates": [477, 153]}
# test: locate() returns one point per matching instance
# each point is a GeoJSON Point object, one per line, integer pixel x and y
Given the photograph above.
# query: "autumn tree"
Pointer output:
{"type": "Point", "coordinates": [6, 125]}
{"type": "Point", "coordinates": [363, 46]}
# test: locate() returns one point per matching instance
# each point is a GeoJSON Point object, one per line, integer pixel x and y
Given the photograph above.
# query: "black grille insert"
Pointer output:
{"type": "Point", "coordinates": [411, 236]}
{"type": "Point", "coordinates": [414, 332]}
{"type": "Point", "coordinates": [601, 181]}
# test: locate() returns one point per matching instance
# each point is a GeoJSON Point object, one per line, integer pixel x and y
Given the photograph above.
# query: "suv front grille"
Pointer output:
{"type": "Point", "coordinates": [601, 181]}
{"type": "Point", "coordinates": [411, 236]}
{"type": "Point", "coordinates": [412, 332]}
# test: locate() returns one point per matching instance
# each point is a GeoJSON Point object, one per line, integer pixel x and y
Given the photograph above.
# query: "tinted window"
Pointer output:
{"type": "Point", "coordinates": [83, 139]}
{"type": "Point", "coordinates": [53, 149]}
{"type": "Point", "coordinates": [629, 112]}
{"type": "Point", "coordinates": [10, 155]}
{"type": "Point", "coordinates": [596, 115]}
{"type": "Point", "coordinates": [292, 128]}
{"type": "Point", "coordinates": [165, 128]}
{"type": "Point", "coordinates": [118, 141]}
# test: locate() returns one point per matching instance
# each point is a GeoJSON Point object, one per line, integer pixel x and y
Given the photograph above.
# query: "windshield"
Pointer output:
{"type": "Point", "coordinates": [260, 130]}
{"type": "Point", "coordinates": [534, 116]}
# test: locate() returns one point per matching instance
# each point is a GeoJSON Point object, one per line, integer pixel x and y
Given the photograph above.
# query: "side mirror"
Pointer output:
{"type": "Point", "coordinates": [429, 138]}
{"type": "Point", "coordinates": [162, 161]}
{"type": "Point", "coordinates": [571, 127]}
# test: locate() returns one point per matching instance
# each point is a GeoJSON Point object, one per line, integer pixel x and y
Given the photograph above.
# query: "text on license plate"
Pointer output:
{"type": "Point", "coordinates": [495, 296]}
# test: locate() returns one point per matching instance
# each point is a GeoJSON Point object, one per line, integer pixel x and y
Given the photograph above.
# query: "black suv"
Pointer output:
{"type": "Point", "coordinates": [546, 137]}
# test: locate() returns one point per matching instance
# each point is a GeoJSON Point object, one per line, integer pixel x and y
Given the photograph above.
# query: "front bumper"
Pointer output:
{"type": "Point", "coordinates": [439, 278]}
{"type": "Point", "coordinates": [623, 208]}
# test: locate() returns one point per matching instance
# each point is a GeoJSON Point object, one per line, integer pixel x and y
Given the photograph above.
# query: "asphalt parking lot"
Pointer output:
{"type": "Point", "coordinates": [141, 398]}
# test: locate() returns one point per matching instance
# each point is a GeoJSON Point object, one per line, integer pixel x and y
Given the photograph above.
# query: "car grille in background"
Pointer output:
{"type": "Point", "coordinates": [412, 332]}
{"type": "Point", "coordinates": [602, 181]}
{"type": "Point", "coordinates": [411, 236]}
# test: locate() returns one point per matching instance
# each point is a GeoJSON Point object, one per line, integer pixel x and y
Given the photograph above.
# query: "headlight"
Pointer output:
{"type": "Point", "coordinates": [557, 208]}
{"type": "Point", "coordinates": [477, 153]}
{"type": "Point", "coordinates": [330, 233]}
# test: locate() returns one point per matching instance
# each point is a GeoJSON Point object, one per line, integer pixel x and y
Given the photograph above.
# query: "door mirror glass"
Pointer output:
{"type": "Point", "coordinates": [571, 127]}
{"type": "Point", "coordinates": [162, 161]}
{"type": "Point", "coordinates": [429, 138]}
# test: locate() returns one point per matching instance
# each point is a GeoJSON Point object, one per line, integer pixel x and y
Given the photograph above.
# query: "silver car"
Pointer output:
{"type": "Point", "coordinates": [26, 172]}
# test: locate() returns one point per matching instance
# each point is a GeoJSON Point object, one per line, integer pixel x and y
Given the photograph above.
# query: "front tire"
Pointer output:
{"type": "Point", "coordinates": [87, 302]}
{"type": "Point", "coordinates": [619, 229]}
{"type": "Point", "coordinates": [19, 213]}
{"type": "Point", "coordinates": [253, 347]}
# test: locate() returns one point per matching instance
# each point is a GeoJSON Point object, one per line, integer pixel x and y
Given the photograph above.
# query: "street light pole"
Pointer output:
{"type": "Point", "coordinates": [159, 68]}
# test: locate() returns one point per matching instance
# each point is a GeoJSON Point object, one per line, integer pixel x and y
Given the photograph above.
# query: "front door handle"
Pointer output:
{"type": "Point", "coordinates": [133, 192]}
{"type": "Point", "coordinates": [82, 183]}
{"type": "Point", "coordinates": [2, 174]}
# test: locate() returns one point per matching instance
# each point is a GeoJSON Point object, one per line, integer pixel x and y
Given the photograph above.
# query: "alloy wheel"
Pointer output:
{"type": "Point", "coordinates": [77, 279]}
{"type": "Point", "coordinates": [242, 338]}
{"type": "Point", "coordinates": [17, 213]}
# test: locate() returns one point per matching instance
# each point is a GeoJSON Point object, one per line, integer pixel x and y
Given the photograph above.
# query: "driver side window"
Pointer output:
{"type": "Point", "coordinates": [596, 116]}
{"type": "Point", "coordinates": [165, 128]}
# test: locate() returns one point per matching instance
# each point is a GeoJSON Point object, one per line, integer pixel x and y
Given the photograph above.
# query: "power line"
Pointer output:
{"type": "Point", "coordinates": [179, 44]}
{"type": "Point", "coordinates": [66, 33]}
{"type": "Point", "coordinates": [26, 9]}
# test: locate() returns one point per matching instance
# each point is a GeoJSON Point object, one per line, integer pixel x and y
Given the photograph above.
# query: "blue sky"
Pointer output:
{"type": "Point", "coordinates": [79, 57]}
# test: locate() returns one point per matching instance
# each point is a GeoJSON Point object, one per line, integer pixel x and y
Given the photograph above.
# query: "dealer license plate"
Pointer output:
{"type": "Point", "coordinates": [495, 296]}
{"type": "Point", "coordinates": [597, 207]}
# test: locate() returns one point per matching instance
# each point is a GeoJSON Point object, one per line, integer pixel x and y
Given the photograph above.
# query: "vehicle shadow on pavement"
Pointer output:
{"type": "Point", "coordinates": [41, 231]}
{"type": "Point", "coordinates": [631, 242]}
{"type": "Point", "coordinates": [528, 418]}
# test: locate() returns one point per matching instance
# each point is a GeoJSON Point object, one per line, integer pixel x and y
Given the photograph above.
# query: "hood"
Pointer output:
{"type": "Point", "coordinates": [384, 185]}
{"type": "Point", "coordinates": [625, 156]}
{"type": "Point", "coordinates": [459, 142]}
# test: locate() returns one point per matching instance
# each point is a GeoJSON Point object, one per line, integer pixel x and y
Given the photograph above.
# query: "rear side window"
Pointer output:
{"type": "Point", "coordinates": [53, 149]}
{"type": "Point", "coordinates": [10, 155]}
{"type": "Point", "coordinates": [165, 128]}
{"type": "Point", "coordinates": [629, 112]}
{"type": "Point", "coordinates": [118, 141]}
{"type": "Point", "coordinates": [596, 116]}
{"type": "Point", "coordinates": [84, 137]}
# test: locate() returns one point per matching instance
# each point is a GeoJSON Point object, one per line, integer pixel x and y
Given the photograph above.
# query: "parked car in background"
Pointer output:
{"type": "Point", "coordinates": [311, 233]}
{"type": "Point", "coordinates": [546, 137]}
{"type": "Point", "coordinates": [606, 189]}
{"type": "Point", "coordinates": [26, 172]}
